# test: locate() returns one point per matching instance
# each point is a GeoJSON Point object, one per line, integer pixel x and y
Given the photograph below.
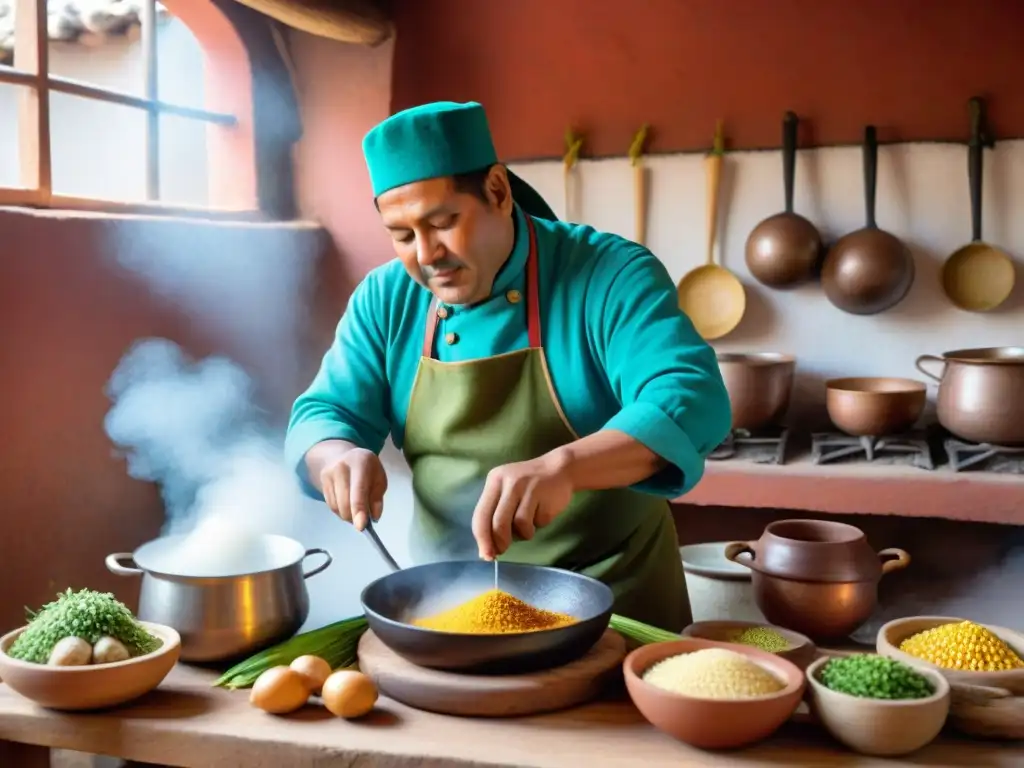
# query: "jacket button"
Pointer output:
{"type": "Point", "coordinates": [514, 296]}
{"type": "Point", "coordinates": [451, 338]}
{"type": "Point", "coordinates": [442, 312]}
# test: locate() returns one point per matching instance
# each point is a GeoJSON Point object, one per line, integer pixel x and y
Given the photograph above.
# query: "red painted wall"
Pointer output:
{"type": "Point", "coordinates": [607, 66]}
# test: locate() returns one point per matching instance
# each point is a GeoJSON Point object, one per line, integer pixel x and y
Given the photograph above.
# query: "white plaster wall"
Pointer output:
{"type": "Point", "coordinates": [922, 197]}
{"type": "Point", "coordinates": [99, 148]}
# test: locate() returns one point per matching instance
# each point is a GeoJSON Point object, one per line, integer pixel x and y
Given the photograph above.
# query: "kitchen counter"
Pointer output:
{"type": "Point", "coordinates": [188, 723]}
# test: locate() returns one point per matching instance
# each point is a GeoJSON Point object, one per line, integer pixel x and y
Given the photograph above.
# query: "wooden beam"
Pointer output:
{"type": "Point", "coordinates": [31, 44]}
{"type": "Point", "coordinates": [362, 22]}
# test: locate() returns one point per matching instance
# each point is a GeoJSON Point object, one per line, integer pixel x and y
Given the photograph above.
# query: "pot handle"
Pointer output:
{"type": "Point", "coordinates": [919, 364]}
{"type": "Point", "coordinates": [902, 560]}
{"type": "Point", "coordinates": [322, 566]}
{"type": "Point", "coordinates": [113, 563]}
{"type": "Point", "coordinates": [736, 548]}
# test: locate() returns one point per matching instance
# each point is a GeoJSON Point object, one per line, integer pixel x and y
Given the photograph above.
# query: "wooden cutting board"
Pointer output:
{"type": "Point", "coordinates": [452, 693]}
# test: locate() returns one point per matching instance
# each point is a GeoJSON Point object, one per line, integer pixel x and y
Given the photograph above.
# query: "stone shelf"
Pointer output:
{"type": "Point", "coordinates": [862, 488]}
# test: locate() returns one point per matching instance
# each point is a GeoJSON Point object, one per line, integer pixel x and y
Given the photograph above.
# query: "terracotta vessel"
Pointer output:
{"type": "Point", "coordinates": [981, 393]}
{"type": "Point", "coordinates": [816, 577]}
{"type": "Point", "coordinates": [712, 723]}
{"type": "Point", "coordinates": [93, 686]}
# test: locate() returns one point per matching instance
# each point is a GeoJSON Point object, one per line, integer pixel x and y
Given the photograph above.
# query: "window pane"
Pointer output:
{"type": "Point", "coordinates": [103, 47]}
{"type": "Point", "coordinates": [10, 168]}
{"type": "Point", "coordinates": [183, 177]}
{"type": "Point", "coordinates": [99, 149]}
{"type": "Point", "coordinates": [179, 65]}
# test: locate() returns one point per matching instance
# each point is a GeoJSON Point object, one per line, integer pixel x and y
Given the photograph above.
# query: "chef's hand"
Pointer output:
{"type": "Point", "coordinates": [354, 485]}
{"type": "Point", "coordinates": [519, 498]}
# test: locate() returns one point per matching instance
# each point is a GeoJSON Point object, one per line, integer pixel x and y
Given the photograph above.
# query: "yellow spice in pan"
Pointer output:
{"type": "Point", "coordinates": [494, 612]}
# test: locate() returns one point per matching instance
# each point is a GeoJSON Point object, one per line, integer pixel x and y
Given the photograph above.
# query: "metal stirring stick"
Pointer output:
{"type": "Point", "coordinates": [379, 546]}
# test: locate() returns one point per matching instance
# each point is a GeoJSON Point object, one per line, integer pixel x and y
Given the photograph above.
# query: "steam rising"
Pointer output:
{"type": "Point", "coordinates": [193, 428]}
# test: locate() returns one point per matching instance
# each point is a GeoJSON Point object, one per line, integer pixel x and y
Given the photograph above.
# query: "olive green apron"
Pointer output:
{"type": "Point", "coordinates": [469, 417]}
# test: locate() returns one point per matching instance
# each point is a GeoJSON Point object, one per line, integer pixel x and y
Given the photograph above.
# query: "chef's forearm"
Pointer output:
{"type": "Point", "coordinates": [606, 459]}
{"type": "Point", "coordinates": [322, 455]}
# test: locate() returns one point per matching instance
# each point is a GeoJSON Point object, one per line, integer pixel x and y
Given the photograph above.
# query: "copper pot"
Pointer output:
{"type": "Point", "coordinates": [759, 386]}
{"type": "Point", "coordinates": [783, 250]}
{"type": "Point", "coordinates": [870, 270]}
{"type": "Point", "coordinates": [816, 577]}
{"type": "Point", "coordinates": [981, 393]}
{"type": "Point", "coordinates": [874, 406]}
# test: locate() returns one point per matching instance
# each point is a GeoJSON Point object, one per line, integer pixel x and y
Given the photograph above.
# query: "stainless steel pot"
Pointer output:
{"type": "Point", "coordinates": [981, 393]}
{"type": "Point", "coordinates": [223, 617]}
{"type": "Point", "coordinates": [759, 386]}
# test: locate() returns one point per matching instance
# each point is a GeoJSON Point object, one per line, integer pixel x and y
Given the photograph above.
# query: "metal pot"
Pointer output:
{"type": "Point", "coordinates": [223, 617]}
{"type": "Point", "coordinates": [981, 393]}
{"type": "Point", "coordinates": [759, 386]}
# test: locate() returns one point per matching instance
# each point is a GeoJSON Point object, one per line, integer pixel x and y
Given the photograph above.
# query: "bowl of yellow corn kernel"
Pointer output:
{"type": "Point", "coordinates": [965, 652]}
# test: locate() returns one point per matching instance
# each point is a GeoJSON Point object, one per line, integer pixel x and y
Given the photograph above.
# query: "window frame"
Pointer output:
{"type": "Point", "coordinates": [31, 74]}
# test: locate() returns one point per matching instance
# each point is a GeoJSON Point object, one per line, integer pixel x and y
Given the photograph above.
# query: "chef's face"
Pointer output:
{"type": "Point", "coordinates": [452, 237]}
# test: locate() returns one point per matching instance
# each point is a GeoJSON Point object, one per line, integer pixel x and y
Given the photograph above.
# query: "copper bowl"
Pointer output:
{"type": "Point", "coordinates": [874, 406]}
{"type": "Point", "coordinates": [712, 723]}
{"type": "Point", "coordinates": [759, 386]}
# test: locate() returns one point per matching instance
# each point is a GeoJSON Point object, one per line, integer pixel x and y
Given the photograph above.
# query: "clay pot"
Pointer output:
{"type": "Point", "coordinates": [816, 577]}
{"type": "Point", "coordinates": [759, 386]}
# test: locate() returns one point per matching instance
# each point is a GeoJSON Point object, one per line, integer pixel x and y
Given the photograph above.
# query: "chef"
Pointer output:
{"type": "Point", "coordinates": [546, 390]}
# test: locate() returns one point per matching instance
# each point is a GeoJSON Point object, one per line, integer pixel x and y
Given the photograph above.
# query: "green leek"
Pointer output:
{"type": "Point", "coordinates": [334, 643]}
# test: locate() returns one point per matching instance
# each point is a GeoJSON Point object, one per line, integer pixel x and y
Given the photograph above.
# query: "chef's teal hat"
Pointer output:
{"type": "Point", "coordinates": [439, 139]}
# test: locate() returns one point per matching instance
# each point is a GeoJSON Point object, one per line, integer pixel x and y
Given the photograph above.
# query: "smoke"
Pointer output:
{"type": "Point", "coordinates": [193, 428]}
{"type": "Point", "coordinates": [977, 580]}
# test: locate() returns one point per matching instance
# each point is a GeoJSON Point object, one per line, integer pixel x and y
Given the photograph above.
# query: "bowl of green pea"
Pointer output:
{"type": "Point", "coordinates": [876, 705]}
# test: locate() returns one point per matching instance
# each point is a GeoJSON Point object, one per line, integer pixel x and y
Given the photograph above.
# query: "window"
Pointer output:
{"type": "Point", "coordinates": [105, 128]}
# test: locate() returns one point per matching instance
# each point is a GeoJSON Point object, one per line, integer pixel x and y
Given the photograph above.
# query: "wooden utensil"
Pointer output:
{"type": "Point", "coordinates": [573, 145]}
{"type": "Point", "coordinates": [451, 693]}
{"type": "Point", "coordinates": [978, 277]}
{"type": "Point", "coordinates": [870, 270]}
{"type": "Point", "coordinates": [711, 295]}
{"type": "Point", "coordinates": [636, 149]}
{"type": "Point", "coordinates": [782, 250]}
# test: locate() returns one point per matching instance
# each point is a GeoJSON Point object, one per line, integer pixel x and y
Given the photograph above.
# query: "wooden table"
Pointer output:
{"type": "Point", "coordinates": [188, 723]}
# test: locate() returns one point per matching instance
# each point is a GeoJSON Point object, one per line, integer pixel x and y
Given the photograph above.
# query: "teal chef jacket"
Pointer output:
{"type": "Point", "coordinates": [622, 355]}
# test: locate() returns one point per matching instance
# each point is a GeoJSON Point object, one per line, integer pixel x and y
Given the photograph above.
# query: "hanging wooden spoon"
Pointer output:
{"type": "Point", "coordinates": [636, 154]}
{"type": "Point", "coordinates": [573, 145]}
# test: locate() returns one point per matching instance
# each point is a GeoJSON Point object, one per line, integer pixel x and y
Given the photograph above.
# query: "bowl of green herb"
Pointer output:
{"type": "Point", "coordinates": [86, 650]}
{"type": "Point", "coordinates": [876, 705]}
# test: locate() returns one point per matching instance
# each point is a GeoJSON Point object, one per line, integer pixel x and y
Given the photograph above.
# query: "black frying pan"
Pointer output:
{"type": "Point", "coordinates": [393, 600]}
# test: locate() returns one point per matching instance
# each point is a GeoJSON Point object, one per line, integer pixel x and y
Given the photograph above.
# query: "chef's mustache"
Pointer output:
{"type": "Point", "coordinates": [440, 266]}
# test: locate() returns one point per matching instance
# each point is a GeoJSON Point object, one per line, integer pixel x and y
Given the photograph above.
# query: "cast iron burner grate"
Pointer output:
{"type": "Point", "coordinates": [911, 449]}
{"type": "Point", "coordinates": [762, 446]}
{"type": "Point", "coordinates": [983, 456]}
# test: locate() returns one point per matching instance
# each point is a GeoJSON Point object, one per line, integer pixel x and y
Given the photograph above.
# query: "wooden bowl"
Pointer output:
{"type": "Point", "coordinates": [712, 723]}
{"type": "Point", "coordinates": [94, 686]}
{"type": "Point", "coordinates": [891, 634]}
{"type": "Point", "coordinates": [801, 651]}
{"type": "Point", "coordinates": [879, 727]}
